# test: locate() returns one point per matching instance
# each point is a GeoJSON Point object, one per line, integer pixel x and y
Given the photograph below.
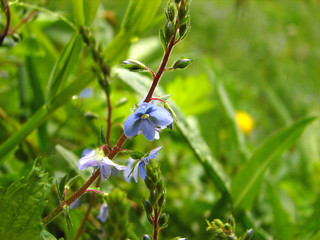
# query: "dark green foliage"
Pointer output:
{"type": "Point", "coordinates": [22, 204]}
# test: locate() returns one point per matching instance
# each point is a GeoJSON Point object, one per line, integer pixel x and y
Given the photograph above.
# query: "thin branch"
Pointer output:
{"type": "Point", "coordinates": [6, 30]}
{"type": "Point", "coordinates": [23, 21]}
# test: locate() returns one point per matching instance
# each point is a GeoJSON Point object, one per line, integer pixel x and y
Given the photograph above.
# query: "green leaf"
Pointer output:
{"type": "Point", "coordinates": [91, 8]}
{"type": "Point", "coordinates": [78, 12]}
{"type": "Point", "coordinates": [139, 16]}
{"type": "Point", "coordinates": [45, 235]}
{"type": "Point", "coordinates": [21, 205]}
{"type": "Point", "coordinates": [72, 160]}
{"type": "Point", "coordinates": [64, 66]}
{"type": "Point", "coordinates": [44, 112]}
{"type": "Point", "coordinates": [102, 137]}
{"type": "Point", "coordinates": [231, 116]}
{"type": "Point", "coordinates": [246, 184]}
{"type": "Point", "coordinates": [188, 127]}
{"type": "Point", "coordinates": [284, 228]}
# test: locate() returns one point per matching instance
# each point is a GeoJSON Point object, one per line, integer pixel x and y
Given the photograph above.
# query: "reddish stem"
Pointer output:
{"type": "Point", "coordinates": [157, 99]}
{"type": "Point", "coordinates": [23, 21]}
{"type": "Point", "coordinates": [155, 223]}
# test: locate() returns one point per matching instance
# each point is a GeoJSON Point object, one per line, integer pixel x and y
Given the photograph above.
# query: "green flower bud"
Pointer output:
{"type": "Point", "coordinates": [232, 222]}
{"type": "Point", "coordinates": [161, 200]}
{"type": "Point", "coordinates": [248, 235]}
{"type": "Point", "coordinates": [171, 12]}
{"type": "Point", "coordinates": [147, 207]}
{"type": "Point", "coordinates": [177, 1]}
{"type": "Point", "coordinates": [183, 11]}
{"type": "Point", "coordinates": [163, 220]}
{"type": "Point", "coordinates": [218, 223]}
{"type": "Point", "coordinates": [182, 63]}
{"type": "Point", "coordinates": [168, 31]}
{"type": "Point", "coordinates": [160, 187]}
{"type": "Point", "coordinates": [228, 227]}
{"type": "Point", "coordinates": [146, 237]}
{"type": "Point", "coordinates": [148, 183]}
{"type": "Point", "coordinates": [134, 66]}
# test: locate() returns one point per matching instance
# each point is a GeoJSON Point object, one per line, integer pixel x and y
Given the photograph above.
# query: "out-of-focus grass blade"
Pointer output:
{"type": "Point", "coordinates": [72, 160]}
{"type": "Point", "coordinates": [246, 184]}
{"type": "Point", "coordinates": [91, 8]}
{"type": "Point", "coordinates": [284, 228]}
{"type": "Point", "coordinates": [139, 16]}
{"type": "Point", "coordinates": [64, 66]}
{"type": "Point", "coordinates": [78, 13]}
{"type": "Point", "coordinates": [44, 112]}
{"type": "Point", "coordinates": [38, 100]}
{"type": "Point", "coordinates": [231, 116]}
{"type": "Point", "coordinates": [188, 128]}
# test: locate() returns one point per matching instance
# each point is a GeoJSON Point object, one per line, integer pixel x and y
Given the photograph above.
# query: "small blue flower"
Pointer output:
{"type": "Point", "coordinates": [103, 213]}
{"type": "Point", "coordinates": [148, 117]}
{"type": "Point", "coordinates": [97, 159]}
{"type": "Point", "coordinates": [140, 166]}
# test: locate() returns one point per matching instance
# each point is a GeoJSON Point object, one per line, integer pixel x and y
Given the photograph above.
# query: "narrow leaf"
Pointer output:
{"type": "Point", "coordinates": [91, 8]}
{"type": "Point", "coordinates": [102, 137]}
{"type": "Point", "coordinates": [21, 205]}
{"type": "Point", "coordinates": [78, 12]}
{"type": "Point", "coordinates": [246, 184]}
{"type": "Point", "coordinates": [64, 66]}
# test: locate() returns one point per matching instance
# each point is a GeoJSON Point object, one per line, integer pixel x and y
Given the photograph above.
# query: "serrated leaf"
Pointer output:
{"type": "Point", "coordinates": [189, 129]}
{"type": "Point", "coordinates": [246, 184]}
{"type": "Point", "coordinates": [64, 66]}
{"type": "Point", "coordinates": [22, 204]}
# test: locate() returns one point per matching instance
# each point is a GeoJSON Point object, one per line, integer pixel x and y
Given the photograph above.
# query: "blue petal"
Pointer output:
{"type": "Point", "coordinates": [107, 161]}
{"type": "Point", "coordinates": [142, 171]}
{"type": "Point", "coordinates": [105, 171]}
{"type": "Point", "coordinates": [103, 213]}
{"type": "Point", "coordinates": [86, 151]}
{"type": "Point", "coordinates": [161, 117]}
{"type": "Point", "coordinates": [148, 129]}
{"type": "Point", "coordinates": [144, 108]}
{"type": "Point", "coordinates": [132, 125]}
{"type": "Point", "coordinates": [127, 171]}
{"type": "Point", "coordinates": [135, 173]}
{"type": "Point", "coordinates": [152, 155]}
{"type": "Point", "coordinates": [88, 160]}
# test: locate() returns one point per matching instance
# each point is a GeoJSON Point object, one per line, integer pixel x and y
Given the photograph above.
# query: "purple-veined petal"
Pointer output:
{"type": "Point", "coordinates": [103, 213]}
{"type": "Point", "coordinates": [107, 161]}
{"type": "Point", "coordinates": [142, 171]}
{"type": "Point", "coordinates": [89, 160]}
{"type": "Point", "coordinates": [148, 129]}
{"type": "Point", "coordinates": [132, 125]}
{"type": "Point", "coordinates": [152, 155]}
{"type": "Point", "coordinates": [105, 171]}
{"type": "Point", "coordinates": [87, 151]}
{"type": "Point", "coordinates": [161, 117]}
{"type": "Point", "coordinates": [135, 173]}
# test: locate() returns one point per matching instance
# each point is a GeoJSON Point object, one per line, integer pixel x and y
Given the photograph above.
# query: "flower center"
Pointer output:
{"type": "Point", "coordinates": [145, 116]}
{"type": "Point", "coordinates": [100, 155]}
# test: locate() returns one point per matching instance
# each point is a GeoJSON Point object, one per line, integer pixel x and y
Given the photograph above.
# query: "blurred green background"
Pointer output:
{"type": "Point", "coordinates": [258, 57]}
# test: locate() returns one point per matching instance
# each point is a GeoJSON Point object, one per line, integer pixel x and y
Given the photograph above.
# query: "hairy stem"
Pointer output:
{"type": "Point", "coordinates": [155, 223]}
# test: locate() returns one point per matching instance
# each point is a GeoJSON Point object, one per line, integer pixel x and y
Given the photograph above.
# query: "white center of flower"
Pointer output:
{"type": "Point", "coordinates": [100, 155]}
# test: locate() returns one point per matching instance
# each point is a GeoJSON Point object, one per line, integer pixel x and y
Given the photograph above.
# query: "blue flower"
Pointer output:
{"type": "Point", "coordinates": [148, 117]}
{"type": "Point", "coordinates": [103, 213]}
{"type": "Point", "coordinates": [140, 166]}
{"type": "Point", "coordinates": [97, 159]}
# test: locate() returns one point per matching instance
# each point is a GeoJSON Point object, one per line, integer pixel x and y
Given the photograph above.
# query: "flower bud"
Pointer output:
{"type": "Point", "coordinates": [146, 237]}
{"type": "Point", "coordinates": [182, 63]}
{"type": "Point", "coordinates": [232, 222]}
{"type": "Point", "coordinates": [168, 31]}
{"type": "Point", "coordinates": [147, 207]}
{"type": "Point", "coordinates": [161, 200]}
{"type": "Point", "coordinates": [218, 222]}
{"type": "Point", "coordinates": [171, 12]}
{"type": "Point", "coordinates": [134, 66]}
{"type": "Point", "coordinates": [248, 235]}
{"type": "Point", "coordinates": [163, 220]}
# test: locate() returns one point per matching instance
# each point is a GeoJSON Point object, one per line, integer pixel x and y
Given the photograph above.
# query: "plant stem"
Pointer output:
{"type": "Point", "coordinates": [6, 30]}
{"type": "Point", "coordinates": [155, 223]}
{"type": "Point", "coordinates": [122, 139]}
{"type": "Point", "coordinates": [23, 21]}
{"type": "Point", "coordinates": [109, 123]}
{"type": "Point", "coordinates": [86, 216]}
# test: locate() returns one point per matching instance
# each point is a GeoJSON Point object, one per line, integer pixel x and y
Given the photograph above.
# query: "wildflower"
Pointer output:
{"type": "Point", "coordinates": [244, 121]}
{"type": "Point", "coordinates": [103, 213]}
{"type": "Point", "coordinates": [127, 172]}
{"type": "Point", "coordinates": [148, 117]}
{"type": "Point", "coordinates": [97, 159]}
{"type": "Point", "coordinates": [140, 166]}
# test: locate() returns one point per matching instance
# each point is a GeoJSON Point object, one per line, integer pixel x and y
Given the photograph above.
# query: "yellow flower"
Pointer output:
{"type": "Point", "coordinates": [244, 121]}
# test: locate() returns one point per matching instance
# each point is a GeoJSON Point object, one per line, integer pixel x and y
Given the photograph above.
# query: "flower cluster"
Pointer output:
{"type": "Point", "coordinates": [148, 118]}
